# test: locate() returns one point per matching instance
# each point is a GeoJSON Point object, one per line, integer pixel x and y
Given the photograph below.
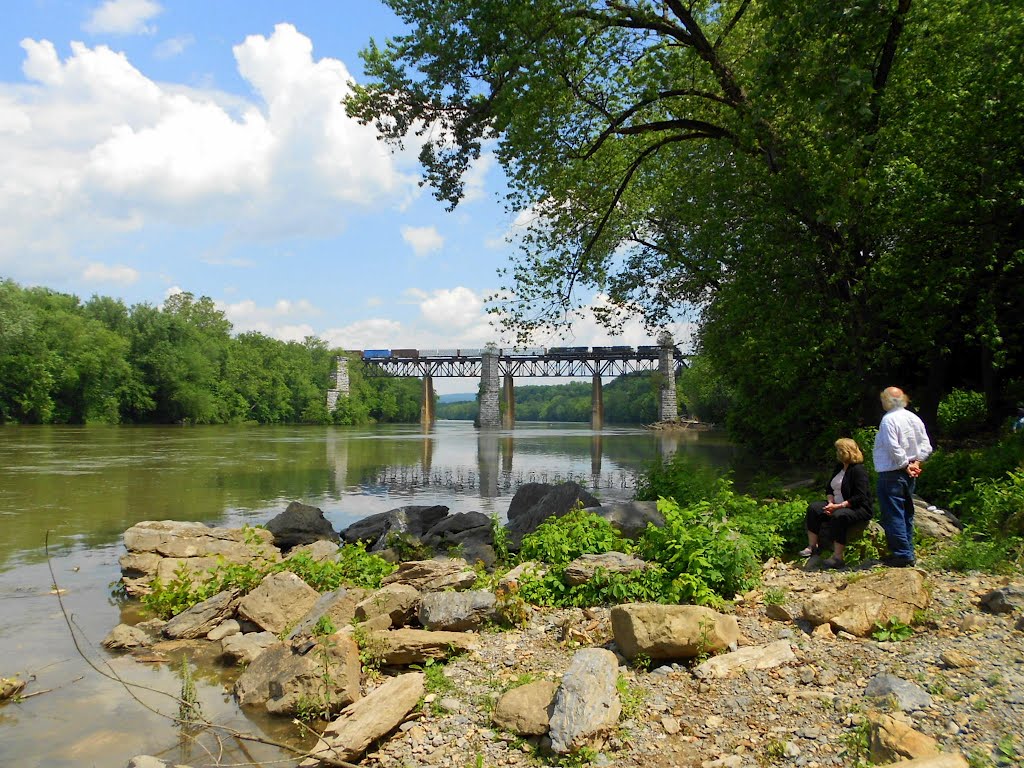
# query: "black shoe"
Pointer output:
{"type": "Point", "coordinates": [894, 561]}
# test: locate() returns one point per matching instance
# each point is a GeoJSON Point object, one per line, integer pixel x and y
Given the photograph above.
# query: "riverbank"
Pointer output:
{"type": "Point", "coordinates": [956, 681]}
{"type": "Point", "coordinates": [811, 668]}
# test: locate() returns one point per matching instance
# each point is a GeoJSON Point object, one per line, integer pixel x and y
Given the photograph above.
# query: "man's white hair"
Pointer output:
{"type": "Point", "coordinates": [893, 397]}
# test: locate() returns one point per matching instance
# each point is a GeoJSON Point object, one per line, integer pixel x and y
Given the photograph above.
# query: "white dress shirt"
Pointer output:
{"type": "Point", "coordinates": [901, 439]}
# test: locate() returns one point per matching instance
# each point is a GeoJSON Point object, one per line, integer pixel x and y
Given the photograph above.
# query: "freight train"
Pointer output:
{"type": "Point", "coordinates": [550, 352]}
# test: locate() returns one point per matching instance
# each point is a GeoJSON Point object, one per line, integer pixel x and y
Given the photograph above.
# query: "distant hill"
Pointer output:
{"type": "Point", "coordinates": [457, 398]}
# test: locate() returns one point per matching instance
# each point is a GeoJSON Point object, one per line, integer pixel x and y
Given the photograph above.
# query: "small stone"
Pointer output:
{"type": "Point", "coordinates": [449, 704]}
{"type": "Point", "coordinates": [954, 659]}
{"type": "Point", "coordinates": [671, 725]}
{"type": "Point", "coordinates": [972, 623]}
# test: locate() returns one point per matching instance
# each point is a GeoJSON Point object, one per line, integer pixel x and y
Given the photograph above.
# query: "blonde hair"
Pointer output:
{"type": "Point", "coordinates": [848, 451]}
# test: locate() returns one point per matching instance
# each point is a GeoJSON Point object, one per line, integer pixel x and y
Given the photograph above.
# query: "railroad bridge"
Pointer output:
{"type": "Point", "coordinates": [497, 368]}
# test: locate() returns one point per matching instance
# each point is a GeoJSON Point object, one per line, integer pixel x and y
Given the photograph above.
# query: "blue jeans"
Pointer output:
{"type": "Point", "coordinates": [896, 501]}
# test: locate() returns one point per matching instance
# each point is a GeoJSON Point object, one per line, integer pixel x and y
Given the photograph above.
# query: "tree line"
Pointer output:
{"type": "Point", "coordinates": [830, 188]}
{"type": "Point", "coordinates": [65, 361]}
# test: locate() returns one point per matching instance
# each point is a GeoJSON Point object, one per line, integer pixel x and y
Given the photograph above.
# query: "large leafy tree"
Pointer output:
{"type": "Point", "coordinates": [833, 187]}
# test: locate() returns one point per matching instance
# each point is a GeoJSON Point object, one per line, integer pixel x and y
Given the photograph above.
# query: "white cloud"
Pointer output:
{"type": "Point", "coordinates": [284, 319]}
{"type": "Point", "coordinates": [456, 308]}
{"type": "Point", "coordinates": [423, 240]}
{"type": "Point", "coordinates": [106, 273]}
{"type": "Point", "coordinates": [174, 290]}
{"type": "Point", "coordinates": [173, 46]}
{"type": "Point", "coordinates": [374, 333]}
{"type": "Point", "coordinates": [91, 147]}
{"type": "Point", "coordinates": [123, 17]}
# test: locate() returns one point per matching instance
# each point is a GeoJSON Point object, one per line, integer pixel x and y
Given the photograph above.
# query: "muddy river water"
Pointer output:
{"type": "Point", "coordinates": [67, 494]}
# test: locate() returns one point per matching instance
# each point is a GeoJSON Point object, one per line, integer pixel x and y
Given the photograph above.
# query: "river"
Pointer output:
{"type": "Point", "coordinates": [79, 488]}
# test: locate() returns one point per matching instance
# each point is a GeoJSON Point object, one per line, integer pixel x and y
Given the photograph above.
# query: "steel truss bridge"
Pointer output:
{"type": "Point", "coordinates": [566, 362]}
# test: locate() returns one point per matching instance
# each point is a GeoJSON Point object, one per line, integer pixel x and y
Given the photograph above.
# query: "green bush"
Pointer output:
{"type": "Point", "coordinates": [978, 550]}
{"type": "Point", "coordinates": [950, 477]}
{"type": "Point", "coordinates": [704, 555]}
{"type": "Point", "coordinates": [560, 540]}
{"type": "Point", "coordinates": [962, 413]}
{"type": "Point", "coordinates": [354, 566]}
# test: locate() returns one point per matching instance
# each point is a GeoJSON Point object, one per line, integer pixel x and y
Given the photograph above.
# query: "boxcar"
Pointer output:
{"type": "Point", "coordinates": [406, 354]}
{"type": "Point", "coordinates": [376, 354]}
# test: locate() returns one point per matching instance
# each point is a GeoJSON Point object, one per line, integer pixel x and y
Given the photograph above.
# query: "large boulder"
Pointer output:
{"type": "Point", "coordinates": [415, 646]}
{"type": "Point", "coordinates": [458, 611]}
{"type": "Point", "coordinates": [671, 631]}
{"type": "Point", "coordinates": [935, 523]}
{"type": "Point", "coordinates": [557, 501]}
{"type": "Point", "coordinates": [278, 603]}
{"type": "Point", "coordinates": [585, 567]}
{"type": "Point", "coordinates": [412, 520]}
{"type": "Point", "coordinates": [398, 602]}
{"type": "Point", "coordinates": [751, 658]}
{"type": "Point", "coordinates": [587, 704]}
{"type": "Point", "coordinates": [856, 608]}
{"type": "Point", "coordinates": [455, 528]}
{"type": "Point", "coordinates": [630, 518]}
{"type": "Point", "coordinates": [367, 720]}
{"type": "Point", "coordinates": [1005, 599]}
{"type": "Point", "coordinates": [243, 649]}
{"type": "Point", "coordinates": [338, 606]}
{"type": "Point", "coordinates": [202, 617]}
{"type": "Point", "coordinates": [281, 680]}
{"type": "Point", "coordinates": [125, 637]}
{"type": "Point", "coordinates": [301, 524]}
{"type": "Point", "coordinates": [164, 548]}
{"type": "Point", "coordinates": [891, 740]}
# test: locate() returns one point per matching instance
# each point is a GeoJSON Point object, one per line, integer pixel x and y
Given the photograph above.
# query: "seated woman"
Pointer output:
{"type": "Point", "coordinates": [849, 502]}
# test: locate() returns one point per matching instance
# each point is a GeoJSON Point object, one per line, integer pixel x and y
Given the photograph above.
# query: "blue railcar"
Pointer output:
{"type": "Point", "coordinates": [376, 354]}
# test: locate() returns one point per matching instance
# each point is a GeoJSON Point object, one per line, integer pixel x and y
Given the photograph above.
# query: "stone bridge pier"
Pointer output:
{"type": "Point", "coordinates": [668, 408]}
{"type": "Point", "coordinates": [490, 389]}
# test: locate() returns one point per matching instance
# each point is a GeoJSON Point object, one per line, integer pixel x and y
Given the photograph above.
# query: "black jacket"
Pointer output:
{"type": "Point", "coordinates": [857, 490]}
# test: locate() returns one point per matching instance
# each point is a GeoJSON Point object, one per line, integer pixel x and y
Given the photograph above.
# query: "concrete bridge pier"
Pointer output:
{"type": "Point", "coordinates": [508, 419]}
{"type": "Point", "coordinates": [490, 374]}
{"type": "Point", "coordinates": [597, 403]}
{"type": "Point", "coordinates": [427, 414]}
{"type": "Point", "coordinates": [668, 409]}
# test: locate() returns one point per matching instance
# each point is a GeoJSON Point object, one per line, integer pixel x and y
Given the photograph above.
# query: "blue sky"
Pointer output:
{"type": "Point", "coordinates": [148, 147]}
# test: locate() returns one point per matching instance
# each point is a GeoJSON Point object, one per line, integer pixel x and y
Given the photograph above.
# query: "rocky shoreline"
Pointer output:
{"type": "Point", "coordinates": [426, 671]}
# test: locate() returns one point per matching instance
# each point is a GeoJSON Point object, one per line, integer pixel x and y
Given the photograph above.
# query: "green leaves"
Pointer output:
{"type": "Point", "coordinates": [830, 189]}
{"type": "Point", "coordinates": [892, 631]}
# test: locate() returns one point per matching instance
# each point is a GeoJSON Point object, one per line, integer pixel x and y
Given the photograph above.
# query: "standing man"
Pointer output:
{"type": "Point", "coordinates": [900, 446]}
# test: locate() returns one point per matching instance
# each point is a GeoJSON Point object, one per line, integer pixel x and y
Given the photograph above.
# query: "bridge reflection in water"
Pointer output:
{"type": "Point", "coordinates": [495, 472]}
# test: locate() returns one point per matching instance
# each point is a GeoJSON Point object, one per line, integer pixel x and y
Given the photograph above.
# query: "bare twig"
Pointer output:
{"type": "Point", "coordinates": [129, 686]}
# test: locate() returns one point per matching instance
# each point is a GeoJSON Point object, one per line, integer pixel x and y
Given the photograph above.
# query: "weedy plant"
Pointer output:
{"type": "Point", "coordinates": [892, 631]}
{"type": "Point", "coordinates": [190, 713]}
